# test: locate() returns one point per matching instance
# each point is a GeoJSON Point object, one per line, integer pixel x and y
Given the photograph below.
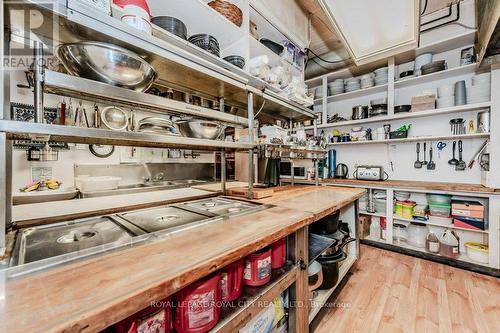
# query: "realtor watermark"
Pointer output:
{"type": "Point", "coordinates": [29, 26]}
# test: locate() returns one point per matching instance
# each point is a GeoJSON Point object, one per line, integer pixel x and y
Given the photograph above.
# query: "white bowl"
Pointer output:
{"type": "Point", "coordinates": [381, 71]}
{"type": "Point", "coordinates": [368, 76]}
{"type": "Point", "coordinates": [423, 59]}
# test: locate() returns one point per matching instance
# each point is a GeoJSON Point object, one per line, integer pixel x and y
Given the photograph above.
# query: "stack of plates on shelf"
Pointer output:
{"type": "Point", "coordinates": [381, 76]}
{"type": "Point", "coordinates": [380, 199]}
{"type": "Point", "coordinates": [480, 90]}
{"type": "Point", "coordinates": [367, 81]}
{"type": "Point", "coordinates": [336, 87]}
{"type": "Point", "coordinates": [352, 84]}
{"type": "Point", "coordinates": [318, 92]}
{"type": "Point", "coordinates": [446, 96]}
{"type": "Point", "coordinates": [433, 67]}
{"type": "Point", "coordinates": [420, 61]}
{"type": "Point", "coordinates": [206, 42]}
{"type": "Point", "coordinates": [402, 195]}
{"type": "Point", "coordinates": [172, 25]}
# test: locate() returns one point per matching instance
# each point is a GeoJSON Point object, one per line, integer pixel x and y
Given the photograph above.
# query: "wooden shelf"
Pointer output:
{"type": "Point", "coordinates": [455, 71]}
{"type": "Point", "coordinates": [353, 94]}
{"type": "Point", "coordinates": [451, 226]}
{"type": "Point", "coordinates": [409, 115]}
{"type": "Point", "coordinates": [323, 295]}
{"type": "Point", "coordinates": [235, 317]}
{"type": "Point", "coordinates": [414, 139]}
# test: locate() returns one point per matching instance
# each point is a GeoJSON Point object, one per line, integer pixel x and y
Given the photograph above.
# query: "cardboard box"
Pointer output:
{"type": "Point", "coordinates": [422, 103]}
{"type": "Point", "coordinates": [364, 226]}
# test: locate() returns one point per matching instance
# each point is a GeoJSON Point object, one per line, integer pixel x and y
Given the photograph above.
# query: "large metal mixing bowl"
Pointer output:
{"type": "Point", "coordinates": [201, 129]}
{"type": "Point", "coordinates": [107, 63]}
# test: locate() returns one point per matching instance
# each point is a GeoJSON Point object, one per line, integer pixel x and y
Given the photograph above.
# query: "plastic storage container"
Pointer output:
{"type": "Point", "coordinates": [438, 199]}
{"type": "Point", "coordinates": [407, 208]}
{"type": "Point", "coordinates": [400, 232]}
{"type": "Point", "coordinates": [278, 254]}
{"type": "Point", "coordinates": [477, 252]}
{"type": "Point", "coordinates": [232, 281]}
{"type": "Point", "coordinates": [398, 208]}
{"type": "Point", "coordinates": [258, 268]}
{"type": "Point", "coordinates": [420, 211]}
{"type": "Point", "coordinates": [156, 318]}
{"type": "Point", "coordinates": [438, 220]}
{"type": "Point", "coordinates": [198, 306]}
{"type": "Point", "coordinates": [417, 234]}
{"type": "Point", "coordinates": [442, 210]}
{"type": "Point", "coordinates": [468, 223]}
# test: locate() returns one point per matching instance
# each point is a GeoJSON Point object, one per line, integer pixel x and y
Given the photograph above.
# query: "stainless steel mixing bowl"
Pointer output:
{"type": "Point", "coordinates": [201, 129]}
{"type": "Point", "coordinates": [107, 63]}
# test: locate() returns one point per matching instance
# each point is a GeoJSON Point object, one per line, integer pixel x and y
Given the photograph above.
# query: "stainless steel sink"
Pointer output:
{"type": "Point", "coordinates": [168, 217]}
{"type": "Point", "coordinates": [189, 181]}
{"type": "Point", "coordinates": [131, 186]}
{"type": "Point", "coordinates": [220, 206]}
{"type": "Point", "coordinates": [37, 243]}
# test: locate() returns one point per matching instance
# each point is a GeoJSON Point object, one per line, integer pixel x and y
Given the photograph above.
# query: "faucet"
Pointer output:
{"type": "Point", "coordinates": [158, 177]}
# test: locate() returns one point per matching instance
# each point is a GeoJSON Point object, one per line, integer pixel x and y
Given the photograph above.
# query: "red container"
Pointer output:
{"type": "Point", "coordinates": [153, 319]}
{"type": "Point", "coordinates": [278, 253]}
{"type": "Point", "coordinates": [198, 306]}
{"type": "Point", "coordinates": [258, 268]}
{"type": "Point", "coordinates": [231, 283]}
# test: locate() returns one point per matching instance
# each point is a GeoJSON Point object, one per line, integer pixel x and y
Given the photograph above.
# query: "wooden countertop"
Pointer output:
{"type": "Point", "coordinates": [318, 200]}
{"type": "Point", "coordinates": [90, 295]}
{"type": "Point", "coordinates": [437, 186]}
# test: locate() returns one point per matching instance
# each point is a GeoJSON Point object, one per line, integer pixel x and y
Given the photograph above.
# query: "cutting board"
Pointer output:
{"type": "Point", "coordinates": [258, 193]}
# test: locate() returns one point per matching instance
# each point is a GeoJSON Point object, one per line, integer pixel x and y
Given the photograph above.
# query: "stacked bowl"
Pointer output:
{"type": "Point", "coordinates": [446, 96]}
{"type": "Point", "coordinates": [480, 89]}
{"type": "Point", "coordinates": [421, 60]}
{"type": "Point", "coordinates": [336, 87]}
{"type": "Point", "coordinates": [172, 25]}
{"type": "Point", "coordinates": [206, 42]}
{"type": "Point", "coordinates": [352, 84]}
{"type": "Point", "coordinates": [367, 81]}
{"type": "Point", "coordinates": [381, 76]}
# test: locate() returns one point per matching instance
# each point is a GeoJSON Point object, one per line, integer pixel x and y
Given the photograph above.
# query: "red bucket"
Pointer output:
{"type": "Point", "coordinates": [258, 268]}
{"type": "Point", "coordinates": [278, 253]}
{"type": "Point", "coordinates": [154, 318]}
{"type": "Point", "coordinates": [198, 306]}
{"type": "Point", "coordinates": [232, 281]}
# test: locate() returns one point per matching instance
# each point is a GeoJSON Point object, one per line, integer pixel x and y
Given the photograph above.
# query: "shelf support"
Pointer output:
{"type": "Point", "coordinates": [5, 187]}
{"type": "Point", "coordinates": [223, 171]}
{"type": "Point", "coordinates": [299, 293]}
{"type": "Point", "coordinates": [38, 81]}
{"type": "Point", "coordinates": [251, 141]}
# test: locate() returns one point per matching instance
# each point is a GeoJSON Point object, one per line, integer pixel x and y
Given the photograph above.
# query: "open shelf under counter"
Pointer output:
{"type": "Point", "coordinates": [372, 214]}
{"type": "Point", "coordinates": [415, 139]}
{"type": "Point", "coordinates": [236, 315]}
{"type": "Point", "coordinates": [409, 115]}
{"type": "Point", "coordinates": [455, 71]}
{"type": "Point", "coordinates": [353, 94]}
{"type": "Point", "coordinates": [450, 226]}
{"type": "Point", "coordinates": [322, 296]}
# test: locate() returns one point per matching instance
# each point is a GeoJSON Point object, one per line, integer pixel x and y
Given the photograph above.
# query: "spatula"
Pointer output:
{"type": "Point", "coordinates": [418, 163]}
{"type": "Point", "coordinates": [461, 166]}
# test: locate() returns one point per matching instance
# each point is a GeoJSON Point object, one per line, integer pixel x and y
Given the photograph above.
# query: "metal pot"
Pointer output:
{"type": "Point", "coordinates": [201, 129]}
{"type": "Point", "coordinates": [359, 112]}
{"type": "Point", "coordinates": [330, 265]}
{"type": "Point", "coordinates": [483, 122]}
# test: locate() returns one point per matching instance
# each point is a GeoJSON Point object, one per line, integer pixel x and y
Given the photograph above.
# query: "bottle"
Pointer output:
{"type": "Point", "coordinates": [432, 243]}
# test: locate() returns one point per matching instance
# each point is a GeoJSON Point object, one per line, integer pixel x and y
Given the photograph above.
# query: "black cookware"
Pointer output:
{"type": "Point", "coordinates": [330, 265]}
{"type": "Point", "coordinates": [273, 46]}
{"type": "Point", "coordinates": [327, 225]}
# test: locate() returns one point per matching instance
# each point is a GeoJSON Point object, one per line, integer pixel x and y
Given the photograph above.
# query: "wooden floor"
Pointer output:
{"type": "Point", "coordinates": [391, 292]}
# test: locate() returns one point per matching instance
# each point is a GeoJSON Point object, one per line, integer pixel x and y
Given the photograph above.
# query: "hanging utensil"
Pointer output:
{"type": "Point", "coordinates": [461, 166]}
{"type": "Point", "coordinates": [62, 112]}
{"type": "Point", "coordinates": [80, 114]}
{"type": "Point", "coordinates": [97, 117]}
{"type": "Point", "coordinates": [476, 155]}
{"type": "Point", "coordinates": [440, 146]}
{"type": "Point", "coordinates": [453, 161]}
{"type": "Point", "coordinates": [424, 162]}
{"type": "Point", "coordinates": [431, 165]}
{"type": "Point", "coordinates": [418, 164]}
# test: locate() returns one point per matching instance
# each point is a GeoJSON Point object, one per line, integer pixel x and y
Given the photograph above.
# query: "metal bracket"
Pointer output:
{"type": "Point", "coordinates": [302, 264]}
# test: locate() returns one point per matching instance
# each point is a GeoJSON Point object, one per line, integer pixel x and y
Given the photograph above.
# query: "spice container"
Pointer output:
{"type": "Point", "coordinates": [432, 243]}
{"type": "Point", "coordinates": [407, 209]}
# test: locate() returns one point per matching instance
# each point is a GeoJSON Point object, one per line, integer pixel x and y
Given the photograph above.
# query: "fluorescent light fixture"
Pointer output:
{"type": "Point", "coordinates": [374, 29]}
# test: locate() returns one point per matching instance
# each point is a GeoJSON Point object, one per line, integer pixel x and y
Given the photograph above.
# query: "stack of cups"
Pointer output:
{"type": "Point", "coordinates": [480, 90]}
{"type": "Point", "coordinates": [446, 96]}
{"type": "Point", "coordinates": [381, 76]}
{"type": "Point", "coordinates": [460, 93]}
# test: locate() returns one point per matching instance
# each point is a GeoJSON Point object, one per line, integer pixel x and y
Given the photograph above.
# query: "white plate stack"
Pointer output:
{"type": "Point", "coordinates": [420, 61]}
{"type": "Point", "coordinates": [480, 90]}
{"type": "Point", "coordinates": [381, 76]}
{"type": "Point", "coordinates": [352, 84]}
{"type": "Point", "coordinates": [446, 96]}
{"type": "Point", "coordinates": [336, 87]}
{"type": "Point", "coordinates": [367, 81]}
